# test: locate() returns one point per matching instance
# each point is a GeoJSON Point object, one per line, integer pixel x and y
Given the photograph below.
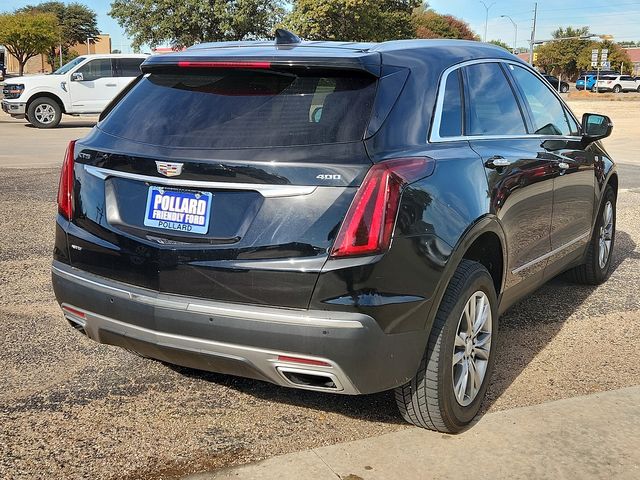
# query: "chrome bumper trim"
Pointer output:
{"type": "Point", "coordinates": [266, 361]}
{"type": "Point", "coordinates": [267, 191]}
{"type": "Point", "coordinates": [311, 318]}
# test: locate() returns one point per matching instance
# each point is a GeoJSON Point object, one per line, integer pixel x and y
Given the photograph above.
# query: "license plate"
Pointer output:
{"type": "Point", "coordinates": [180, 210]}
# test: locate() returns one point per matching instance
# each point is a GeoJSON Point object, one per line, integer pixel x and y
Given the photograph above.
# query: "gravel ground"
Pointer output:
{"type": "Point", "coordinates": [70, 408]}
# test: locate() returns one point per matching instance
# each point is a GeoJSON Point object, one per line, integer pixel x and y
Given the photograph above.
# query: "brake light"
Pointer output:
{"type": "Point", "coordinates": [201, 64]}
{"type": "Point", "coordinates": [368, 225]}
{"type": "Point", "coordinates": [65, 187]}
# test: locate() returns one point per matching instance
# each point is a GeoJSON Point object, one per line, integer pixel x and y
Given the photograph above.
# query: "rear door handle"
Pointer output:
{"type": "Point", "coordinates": [497, 162]}
{"type": "Point", "coordinates": [112, 84]}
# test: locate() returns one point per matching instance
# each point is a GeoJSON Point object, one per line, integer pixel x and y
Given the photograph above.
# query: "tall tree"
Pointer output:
{"type": "Point", "coordinates": [352, 20]}
{"type": "Point", "coordinates": [77, 24]}
{"type": "Point", "coordinates": [186, 22]}
{"type": "Point", "coordinates": [26, 35]}
{"type": "Point", "coordinates": [502, 44]}
{"type": "Point", "coordinates": [430, 24]}
{"type": "Point", "coordinates": [560, 56]}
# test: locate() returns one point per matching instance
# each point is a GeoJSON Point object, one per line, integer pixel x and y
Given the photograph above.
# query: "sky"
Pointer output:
{"type": "Point", "coordinates": [620, 18]}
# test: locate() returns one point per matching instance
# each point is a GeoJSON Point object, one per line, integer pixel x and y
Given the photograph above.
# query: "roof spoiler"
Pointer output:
{"type": "Point", "coordinates": [368, 62]}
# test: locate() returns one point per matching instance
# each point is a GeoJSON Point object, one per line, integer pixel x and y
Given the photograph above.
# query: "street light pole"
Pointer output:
{"type": "Point", "coordinates": [486, 18]}
{"type": "Point", "coordinates": [515, 26]}
{"type": "Point", "coordinates": [533, 33]}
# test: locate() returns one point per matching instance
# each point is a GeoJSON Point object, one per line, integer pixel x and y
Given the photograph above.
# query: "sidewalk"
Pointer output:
{"type": "Point", "coordinates": [596, 436]}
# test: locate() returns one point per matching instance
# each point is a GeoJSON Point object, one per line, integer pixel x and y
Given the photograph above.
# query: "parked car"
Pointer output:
{"type": "Point", "coordinates": [215, 218]}
{"type": "Point", "coordinates": [586, 82]}
{"type": "Point", "coordinates": [83, 86]}
{"type": "Point", "coordinates": [617, 84]}
{"type": "Point", "coordinates": [554, 81]}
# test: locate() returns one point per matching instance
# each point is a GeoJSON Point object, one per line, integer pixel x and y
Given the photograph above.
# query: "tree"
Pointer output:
{"type": "Point", "coordinates": [430, 24]}
{"type": "Point", "coordinates": [26, 35]}
{"type": "Point", "coordinates": [77, 24]}
{"type": "Point", "coordinates": [186, 22]}
{"type": "Point", "coordinates": [502, 44]}
{"type": "Point", "coordinates": [616, 56]}
{"type": "Point", "coordinates": [560, 56]}
{"type": "Point", "coordinates": [352, 20]}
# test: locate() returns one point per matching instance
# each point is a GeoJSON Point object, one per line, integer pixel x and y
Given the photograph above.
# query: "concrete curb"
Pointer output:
{"type": "Point", "coordinates": [594, 436]}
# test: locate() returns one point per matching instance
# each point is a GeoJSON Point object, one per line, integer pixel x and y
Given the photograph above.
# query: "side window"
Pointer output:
{"type": "Point", "coordinates": [95, 69]}
{"type": "Point", "coordinates": [549, 117]}
{"type": "Point", "coordinates": [128, 67]}
{"type": "Point", "coordinates": [451, 119]}
{"type": "Point", "coordinates": [492, 109]}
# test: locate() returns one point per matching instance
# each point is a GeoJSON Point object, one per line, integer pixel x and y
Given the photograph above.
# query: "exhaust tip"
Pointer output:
{"type": "Point", "coordinates": [310, 379]}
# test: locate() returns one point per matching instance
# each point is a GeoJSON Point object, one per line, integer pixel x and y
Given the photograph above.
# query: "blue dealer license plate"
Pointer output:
{"type": "Point", "coordinates": [180, 210]}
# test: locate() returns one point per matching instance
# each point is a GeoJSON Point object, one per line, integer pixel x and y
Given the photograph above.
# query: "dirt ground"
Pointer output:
{"type": "Point", "coordinates": [625, 115]}
{"type": "Point", "coordinates": [70, 408]}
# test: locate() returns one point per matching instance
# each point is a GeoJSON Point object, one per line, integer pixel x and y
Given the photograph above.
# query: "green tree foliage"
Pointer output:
{"type": "Point", "coordinates": [77, 23]}
{"type": "Point", "coordinates": [629, 44]}
{"type": "Point", "coordinates": [430, 24]}
{"type": "Point", "coordinates": [352, 20]}
{"type": "Point", "coordinates": [186, 22]}
{"type": "Point", "coordinates": [560, 57]}
{"type": "Point", "coordinates": [502, 44]}
{"type": "Point", "coordinates": [26, 35]}
{"type": "Point", "coordinates": [616, 55]}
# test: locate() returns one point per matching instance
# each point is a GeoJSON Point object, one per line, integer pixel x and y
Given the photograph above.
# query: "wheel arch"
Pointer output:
{"type": "Point", "coordinates": [50, 95]}
{"type": "Point", "coordinates": [484, 241]}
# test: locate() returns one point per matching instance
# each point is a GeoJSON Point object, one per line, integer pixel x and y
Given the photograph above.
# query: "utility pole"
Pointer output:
{"type": "Point", "coordinates": [486, 18]}
{"type": "Point", "coordinates": [533, 32]}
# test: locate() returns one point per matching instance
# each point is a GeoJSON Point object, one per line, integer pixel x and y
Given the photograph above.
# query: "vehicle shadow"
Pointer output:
{"type": "Point", "coordinates": [560, 298]}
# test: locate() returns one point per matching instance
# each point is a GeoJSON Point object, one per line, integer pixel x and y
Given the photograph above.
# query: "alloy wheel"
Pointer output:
{"type": "Point", "coordinates": [45, 113]}
{"type": "Point", "coordinates": [606, 235]}
{"type": "Point", "coordinates": [472, 348]}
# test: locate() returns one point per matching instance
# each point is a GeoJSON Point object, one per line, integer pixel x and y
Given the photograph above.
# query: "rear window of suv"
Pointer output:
{"type": "Point", "coordinates": [235, 108]}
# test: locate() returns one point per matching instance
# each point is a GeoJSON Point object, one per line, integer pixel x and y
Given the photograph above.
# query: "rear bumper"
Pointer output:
{"type": "Point", "coordinates": [14, 108]}
{"type": "Point", "coordinates": [347, 349]}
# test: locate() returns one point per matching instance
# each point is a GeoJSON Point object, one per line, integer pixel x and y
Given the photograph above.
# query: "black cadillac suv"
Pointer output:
{"type": "Point", "coordinates": [339, 217]}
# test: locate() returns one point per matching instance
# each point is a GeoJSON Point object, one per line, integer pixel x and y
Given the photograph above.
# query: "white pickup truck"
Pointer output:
{"type": "Point", "coordinates": [84, 86]}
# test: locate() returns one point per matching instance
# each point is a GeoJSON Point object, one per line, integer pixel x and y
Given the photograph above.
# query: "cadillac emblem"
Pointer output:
{"type": "Point", "coordinates": [169, 169]}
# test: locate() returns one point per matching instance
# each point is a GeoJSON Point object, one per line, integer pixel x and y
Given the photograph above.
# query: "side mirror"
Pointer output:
{"type": "Point", "coordinates": [596, 127]}
{"type": "Point", "coordinates": [77, 77]}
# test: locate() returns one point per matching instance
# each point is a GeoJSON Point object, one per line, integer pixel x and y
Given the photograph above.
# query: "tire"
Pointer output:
{"type": "Point", "coordinates": [594, 271]}
{"type": "Point", "coordinates": [429, 400]}
{"type": "Point", "coordinates": [617, 89]}
{"type": "Point", "coordinates": [564, 88]}
{"type": "Point", "coordinates": [44, 112]}
{"type": "Point", "coordinates": [638, 89]}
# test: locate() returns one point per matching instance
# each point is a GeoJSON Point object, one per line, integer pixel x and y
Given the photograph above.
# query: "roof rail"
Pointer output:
{"type": "Point", "coordinates": [285, 37]}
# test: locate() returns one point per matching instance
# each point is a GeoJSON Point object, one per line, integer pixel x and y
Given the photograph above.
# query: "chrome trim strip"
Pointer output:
{"type": "Point", "coordinates": [267, 191]}
{"type": "Point", "coordinates": [308, 318]}
{"type": "Point", "coordinates": [434, 134]}
{"type": "Point", "coordinates": [549, 254]}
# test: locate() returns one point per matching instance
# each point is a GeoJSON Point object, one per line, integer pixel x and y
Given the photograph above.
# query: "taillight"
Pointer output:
{"type": "Point", "coordinates": [65, 187]}
{"type": "Point", "coordinates": [368, 225]}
